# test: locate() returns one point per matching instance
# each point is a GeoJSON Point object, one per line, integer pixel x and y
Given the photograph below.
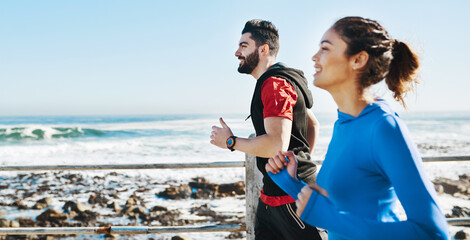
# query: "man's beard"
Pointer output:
{"type": "Point", "coordinates": [251, 61]}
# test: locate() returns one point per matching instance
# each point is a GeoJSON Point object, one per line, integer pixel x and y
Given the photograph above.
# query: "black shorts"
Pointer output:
{"type": "Point", "coordinates": [281, 223]}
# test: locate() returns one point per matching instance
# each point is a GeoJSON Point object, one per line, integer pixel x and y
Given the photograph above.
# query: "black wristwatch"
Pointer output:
{"type": "Point", "coordinates": [231, 142]}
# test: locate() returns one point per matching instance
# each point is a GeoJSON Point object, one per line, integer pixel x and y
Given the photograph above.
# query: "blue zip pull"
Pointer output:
{"type": "Point", "coordinates": [287, 159]}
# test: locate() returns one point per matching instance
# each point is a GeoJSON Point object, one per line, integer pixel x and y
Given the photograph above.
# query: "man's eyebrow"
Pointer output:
{"type": "Point", "coordinates": [326, 41]}
{"type": "Point", "coordinates": [241, 43]}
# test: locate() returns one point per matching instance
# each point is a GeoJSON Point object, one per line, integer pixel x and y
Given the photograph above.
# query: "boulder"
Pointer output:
{"type": "Point", "coordinates": [132, 201]}
{"type": "Point", "coordinates": [203, 194]}
{"type": "Point", "coordinates": [43, 203]}
{"type": "Point", "coordinates": [203, 210]}
{"type": "Point", "coordinates": [26, 222]}
{"type": "Point", "coordinates": [47, 200]}
{"type": "Point", "coordinates": [46, 238]}
{"type": "Point", "coordinates": [168, 218]}
{"type": "Point", "coordinates": [159, 209]}
{"type": "Point", "coordinates": [458, 212]}
{"type": "Point", "coordinates": [461, 235]}
{"type": "Point", "coordinates": [76, 207]}
{"type": "Point", "coordinates": [235, 235]}
{"type": "Point", "coordinates": [231, 189]}
{"type": "Point", "coordinates": [110, 236]}
{"type": "Point", "coordinates": [176, 193]}
{"type": "Point", "coordinates": [202, 183]}
{"type": "Point", "coordinates": [115, 206]}
{"type": "Point", "coordinates": [39, 206]}
{"type": "Point", "coordinates": [177, 237]}
{"type": "Point", "coordinates": [88, 218]}
{"type": "Point", "coordinates": [133, 210]}
{"type": "Point", "coordinates": [19, 204]}
{"type": "Point", "coordinates": [99, 199]}
{"type": "Point", "coordinates": [14, 224]}
{"type": "Point", "coordinates": [204, 189]}
{"type": "Point", "coordinates": [453, 187]}
{"type": "Point", "coordinates": [4, 223]}
{"type": "Point", "coordinates": [52, 216]}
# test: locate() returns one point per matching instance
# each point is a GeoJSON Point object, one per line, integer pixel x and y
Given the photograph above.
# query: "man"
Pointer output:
{"type": "Point", "coordinates": [282, 121]}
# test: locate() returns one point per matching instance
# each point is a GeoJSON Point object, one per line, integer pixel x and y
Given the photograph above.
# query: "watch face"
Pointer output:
{"type": "Point", "coordinates": [229, 142]}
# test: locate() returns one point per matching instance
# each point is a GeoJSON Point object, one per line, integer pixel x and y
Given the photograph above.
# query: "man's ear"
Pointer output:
{"type": "Point", "coordinates": [264, 50]}
{"type": "Point", "coordinates": [359, 60]}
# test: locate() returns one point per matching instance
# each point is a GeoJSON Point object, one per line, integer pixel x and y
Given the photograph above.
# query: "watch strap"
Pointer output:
{"type": "Point", "coordinates": [231, 141]}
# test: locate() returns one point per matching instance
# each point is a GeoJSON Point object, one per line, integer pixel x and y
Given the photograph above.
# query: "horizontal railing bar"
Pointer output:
{"type": "Point", "coordinates": [446, 159]}
{"type": "Point", "coordinates": [150, 230]}
{"type": "Point", "coordinates": [125, 166]}
{"type": "Point", "coordinates": [459, 221]}
{"type": "Point", "coordinates": [177, 165]}
{"type": "Point", "coordinates": [119, 230]}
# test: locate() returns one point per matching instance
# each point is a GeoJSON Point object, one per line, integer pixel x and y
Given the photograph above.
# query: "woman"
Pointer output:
{"type": "Point", "coordinates": [371, 162]}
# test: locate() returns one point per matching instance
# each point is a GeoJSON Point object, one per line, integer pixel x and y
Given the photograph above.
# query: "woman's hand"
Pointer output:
{"type": "Point", "coordinates": [278, 162]}
{"type": "Point", "coordinates": [305, 194]}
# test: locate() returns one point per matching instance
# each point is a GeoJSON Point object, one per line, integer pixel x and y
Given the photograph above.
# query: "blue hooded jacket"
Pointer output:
{"type": "Point", "coordinates": [370, 165]}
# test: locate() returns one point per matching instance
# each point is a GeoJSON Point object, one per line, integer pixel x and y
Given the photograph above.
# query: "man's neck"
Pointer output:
{"type": "Point", "coordinates": [262, 67]}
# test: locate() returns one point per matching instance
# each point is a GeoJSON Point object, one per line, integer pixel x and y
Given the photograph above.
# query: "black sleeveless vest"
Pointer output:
{"type": "Point", "coordinates": [298, 140]}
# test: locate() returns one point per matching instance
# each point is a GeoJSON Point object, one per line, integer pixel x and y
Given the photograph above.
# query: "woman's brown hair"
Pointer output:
{"type": "Point", "coordinates": [389, 59]}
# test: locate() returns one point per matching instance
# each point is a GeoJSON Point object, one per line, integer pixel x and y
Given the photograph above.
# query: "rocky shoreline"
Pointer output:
{"type": "Point", "coordinates": [73, 199]}
{"type": "Point", "coordinates": [56, 199]}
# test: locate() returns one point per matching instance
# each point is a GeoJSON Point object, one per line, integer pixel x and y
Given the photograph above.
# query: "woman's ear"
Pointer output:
{"type": "Point", "coordinates": [359, 60]}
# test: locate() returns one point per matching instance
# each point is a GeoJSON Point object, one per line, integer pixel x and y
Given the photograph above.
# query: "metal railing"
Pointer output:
{"type": "Point", "coordinates": [121, 229]}
{"type": "Point", "coordinates": [118, 230]}
{"type": "Point", "coordinates": [176, 165]}
{"type": "Point", "coordinates": [252, 194]}
{"type": "Point", "coordinates": [124, 166]}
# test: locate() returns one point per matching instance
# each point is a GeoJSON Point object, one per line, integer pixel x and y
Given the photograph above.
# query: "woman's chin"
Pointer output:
{"type": "Point", "coordinates": [316, 82]}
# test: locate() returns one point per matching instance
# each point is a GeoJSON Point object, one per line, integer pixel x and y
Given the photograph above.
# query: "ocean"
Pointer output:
{"type": "Point", "coordinates": [57, 140]}
{"type": "Point", "coordinates": [50, 140]}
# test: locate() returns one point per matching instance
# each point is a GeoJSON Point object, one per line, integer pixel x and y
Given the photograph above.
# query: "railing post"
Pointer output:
{"type": "Point", "coordinates": [253, 183]}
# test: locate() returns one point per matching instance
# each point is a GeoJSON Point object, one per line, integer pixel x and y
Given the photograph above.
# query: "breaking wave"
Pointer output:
{"type": "Point", "coordinates": [18, 134]}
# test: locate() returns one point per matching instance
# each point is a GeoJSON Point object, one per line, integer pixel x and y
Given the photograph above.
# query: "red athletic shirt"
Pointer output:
{"type": "Point", "coordinates": [278, 97]}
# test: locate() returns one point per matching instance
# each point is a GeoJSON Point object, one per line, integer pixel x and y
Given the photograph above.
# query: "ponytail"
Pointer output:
{"type": "Point", "coordinates": [402, 76]}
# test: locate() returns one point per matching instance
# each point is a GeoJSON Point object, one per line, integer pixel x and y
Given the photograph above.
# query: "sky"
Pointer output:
{"type": "Point", "coordinates": [113, 57]}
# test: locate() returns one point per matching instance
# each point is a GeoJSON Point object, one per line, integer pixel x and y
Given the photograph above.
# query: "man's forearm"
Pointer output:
{"type": "Point", "coordinates": [262, 146]}
{"type": "Point", "coordinates": [312, 136]}
{"type": "Point", "coordinates": [313, 130]}
{"type": "Point", "coordinates": [276, 138]}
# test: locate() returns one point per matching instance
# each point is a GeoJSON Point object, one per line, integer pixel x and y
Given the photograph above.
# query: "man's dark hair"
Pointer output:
{"type": "Point", "coordinates": [263, 32]}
